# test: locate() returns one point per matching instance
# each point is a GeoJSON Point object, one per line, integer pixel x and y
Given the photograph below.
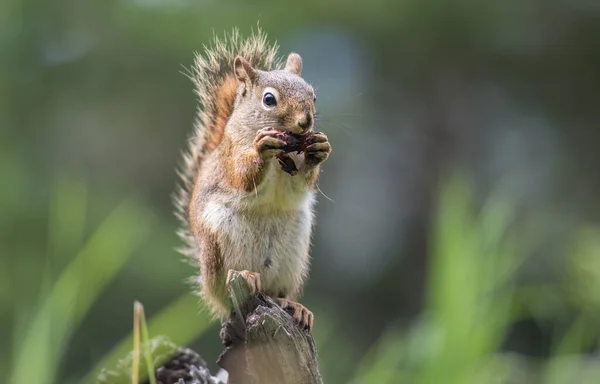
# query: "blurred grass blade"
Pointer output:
{"type": "Point", "coordinates": [380, 363]}
{"type": "Point", "coordinates": [469, 297]}
{"type": "Point", "coordinates": [471, 284]}
{"type": "Point", "coordinates": [75, 291]}
{"type": "Point", "coordinates": [564, 363]}
{"type": "Point", "coordinates": [66, 225]}
{"type": "Point", "coordinates": [181, 321]}
{"type": "Point", "coordinates": [135, 368]}
{"type": "Point", "coordinates": [68, 211]}
{"type": "Point", "coordinates": [139, 322]}
{"type": "Point", "coordinates": [146, 340]}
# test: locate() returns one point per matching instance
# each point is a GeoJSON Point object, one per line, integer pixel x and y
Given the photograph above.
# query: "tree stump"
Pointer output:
{"type": "Point", "coordinates": [262, 342]}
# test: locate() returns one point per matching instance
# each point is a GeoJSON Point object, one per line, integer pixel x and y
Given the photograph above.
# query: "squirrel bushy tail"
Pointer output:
{"type": "Point", "coordinates": [216, 86]}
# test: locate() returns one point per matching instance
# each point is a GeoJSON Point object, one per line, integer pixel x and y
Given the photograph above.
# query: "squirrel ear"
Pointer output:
{"type": "Point", "coordinates": [243, 70]}
{"type": "Point", "coordinates": [294, 64]}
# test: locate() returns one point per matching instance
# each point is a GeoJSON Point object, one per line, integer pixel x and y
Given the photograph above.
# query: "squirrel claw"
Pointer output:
{"type": "Point", "coordinates": [302, 316]}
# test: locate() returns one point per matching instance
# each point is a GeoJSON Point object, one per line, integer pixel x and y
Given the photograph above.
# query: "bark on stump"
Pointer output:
{"type": "Point", "coordinates": [262, 342]}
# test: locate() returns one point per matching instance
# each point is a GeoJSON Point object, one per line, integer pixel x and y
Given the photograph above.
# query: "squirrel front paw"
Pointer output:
{"type": "Point", "coordinates": [317, 149]}
{"type": "Point", "coordinates": [268, 143]}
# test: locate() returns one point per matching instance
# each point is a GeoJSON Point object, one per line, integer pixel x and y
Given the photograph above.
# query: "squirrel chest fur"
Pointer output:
{"type": "Point", "coordinates": [240, 207]}
{"type": "Point", "coordinates": [265, 231]}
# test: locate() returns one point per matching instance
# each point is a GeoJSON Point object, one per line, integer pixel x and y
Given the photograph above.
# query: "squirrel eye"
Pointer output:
{"type": "Point", "coordinates": [269, 100]}
{"type": "Point", "coordinates": [314, 98]}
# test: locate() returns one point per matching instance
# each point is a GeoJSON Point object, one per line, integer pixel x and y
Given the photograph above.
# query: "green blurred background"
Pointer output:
{"type": "Point", "coordinates": [457, 236]}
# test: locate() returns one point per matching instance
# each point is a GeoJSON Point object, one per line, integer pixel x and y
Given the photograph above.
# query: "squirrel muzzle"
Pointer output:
{"type": "Point", "coordinates": [304, 121]}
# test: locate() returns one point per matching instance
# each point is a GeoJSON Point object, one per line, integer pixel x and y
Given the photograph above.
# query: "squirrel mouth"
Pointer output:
{"type": "Point", "coordinates": [297, 130]}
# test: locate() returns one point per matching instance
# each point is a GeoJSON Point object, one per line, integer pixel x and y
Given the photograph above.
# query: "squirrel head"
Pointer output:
{"type": "Point", "coordinates": [279, 99]}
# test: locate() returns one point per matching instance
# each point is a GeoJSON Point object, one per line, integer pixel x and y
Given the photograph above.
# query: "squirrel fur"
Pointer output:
{"type": "Point", "coordinates": [239, 210]}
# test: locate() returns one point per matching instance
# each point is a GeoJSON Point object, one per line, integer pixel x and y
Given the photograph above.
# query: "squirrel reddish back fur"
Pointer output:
{"type": "Point", "coordinates": [215, 85]}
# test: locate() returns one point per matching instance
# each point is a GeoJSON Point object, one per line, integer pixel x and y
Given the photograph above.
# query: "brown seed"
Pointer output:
{"type": "Point", "coordinates": [287, 164]}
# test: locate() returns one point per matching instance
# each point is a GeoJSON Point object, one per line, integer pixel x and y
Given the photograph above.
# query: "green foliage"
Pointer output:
{"type": "Point", "coordinates": [472, 299]}
{"type": "Point", "coordinates": [506, 88]}
{"type": "Point", "coordinates": [181, 321]}
{"type": "Point", "coordinates": [76, 289]}
{"type": "Point", "coordinates": [43, 337]}
{"type": "Point", "coordinates": [157, 351]}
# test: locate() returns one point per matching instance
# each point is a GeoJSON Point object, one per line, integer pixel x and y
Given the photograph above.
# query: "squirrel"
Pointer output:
{"type": "Point", "coordinates": [240, 209]}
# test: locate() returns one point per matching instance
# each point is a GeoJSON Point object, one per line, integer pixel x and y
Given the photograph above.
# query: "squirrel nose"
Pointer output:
{"type": "Point", "coordinates": [305, 121]}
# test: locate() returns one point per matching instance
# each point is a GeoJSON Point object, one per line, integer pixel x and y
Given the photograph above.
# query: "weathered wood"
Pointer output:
{"type": "Point", "coordinates": [262, 342]}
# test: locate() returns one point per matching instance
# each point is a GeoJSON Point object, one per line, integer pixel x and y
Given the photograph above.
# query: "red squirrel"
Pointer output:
{"type": "Point", "coordinates": [249, 177]}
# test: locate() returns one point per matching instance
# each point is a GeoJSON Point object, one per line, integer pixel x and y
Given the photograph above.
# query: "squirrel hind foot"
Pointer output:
{"type": "Point", "coordinates": [252, 278]}
{"type": "Point", "coordinates": [301, 315]}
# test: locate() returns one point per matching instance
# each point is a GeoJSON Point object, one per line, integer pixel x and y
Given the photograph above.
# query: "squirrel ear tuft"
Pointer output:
{"type": "Point", "coordinates": [243, 70]}
{"type": "Point", "coordinates": [294, 64]}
